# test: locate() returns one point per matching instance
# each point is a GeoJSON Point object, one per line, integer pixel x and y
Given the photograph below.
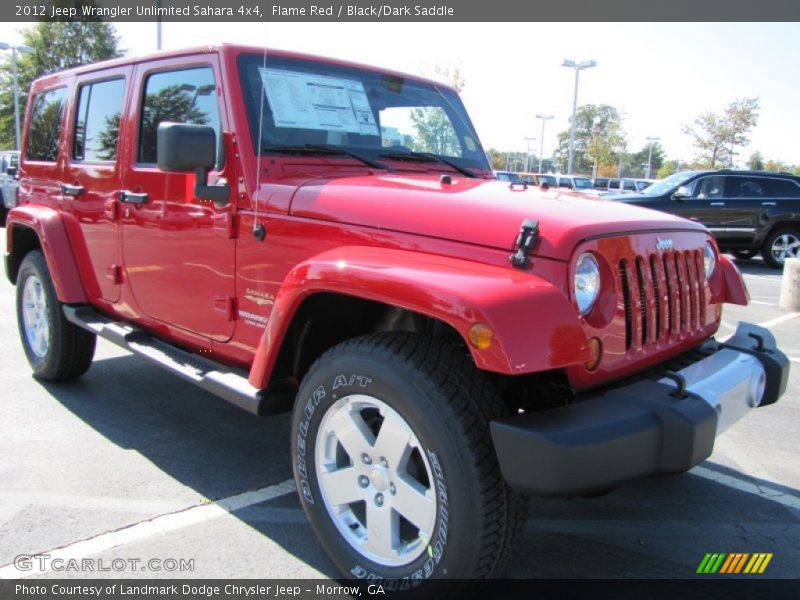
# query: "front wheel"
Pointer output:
{"type": "Point", "coordinates": [395, 465]}
{"type": "Point", "coordinates": [56, 349]}
{"type": "Point", "coordinates": [779, 246]}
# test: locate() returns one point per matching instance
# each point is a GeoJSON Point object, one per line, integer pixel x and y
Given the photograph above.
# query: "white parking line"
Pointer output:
{"type": "Point", "coordinates": [161, 524]}
{"type": "Point", "coordinates": [793, 359]}
{"type": "Point", "coordinates": [762, 303]}
{"type": "Point", "coordinates": [762, 491]}
{"type": "Point", "coordinates": [781, 319]}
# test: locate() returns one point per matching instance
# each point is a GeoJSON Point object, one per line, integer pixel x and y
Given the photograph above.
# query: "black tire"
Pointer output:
{"type": "Point", "coordinates": [768, 249]}
{"type": "Point", "coordinates": [69, 349]}
{"type": "Point", "coordinates": [447, 403]}
{"type": "Point", "coordinates": [744, 254]}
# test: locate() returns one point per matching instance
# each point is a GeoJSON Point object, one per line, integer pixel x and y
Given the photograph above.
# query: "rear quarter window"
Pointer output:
{"type": "Point", "coordinates": [783, 188]}
{"type": "Point", "coordinates": [44, 130]}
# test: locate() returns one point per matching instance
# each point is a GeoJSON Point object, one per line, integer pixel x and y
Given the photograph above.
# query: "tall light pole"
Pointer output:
{"type": "Point", "coordinates": [580, 66]}
{"type": "Point", "coordinates": [544, 118]}
{"type": "Point", "coordinates": [24, 50]}
{"type": "Point", "coordinates": [528, 155]}
{"type": "Point", "coordinates": [158, 27]}
{"type": "Point", "coordinates": [650, 141]}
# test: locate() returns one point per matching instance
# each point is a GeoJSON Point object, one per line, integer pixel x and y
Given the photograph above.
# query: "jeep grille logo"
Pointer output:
{"type": "Point", "coordinates": [664, 245]}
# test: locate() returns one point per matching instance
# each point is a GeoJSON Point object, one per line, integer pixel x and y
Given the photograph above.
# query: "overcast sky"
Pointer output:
{"type": "Point", "coordinates": [660, 75]}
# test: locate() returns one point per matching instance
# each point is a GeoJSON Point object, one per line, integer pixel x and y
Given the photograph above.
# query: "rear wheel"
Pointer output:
{"type": "Point", "coordinates": [56, 349]}
{"type": "Point", "coordinates": [394, 462]}
{"type": "Point", "coordinates": [779, 246]}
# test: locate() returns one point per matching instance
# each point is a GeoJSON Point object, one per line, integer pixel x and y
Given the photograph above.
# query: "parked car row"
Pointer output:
{"type": "Point", "coordinates": [748, 212]}
{"type": "Point", "coordinates": [9, 181]}
{"type": "Point", "coordinates": [622, 186]}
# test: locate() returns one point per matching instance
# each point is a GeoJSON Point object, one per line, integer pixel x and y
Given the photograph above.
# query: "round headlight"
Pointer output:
{"type": "Point", "coordinates": [587, 282]}
{"type": "Point", "coordinates": [709, 259]}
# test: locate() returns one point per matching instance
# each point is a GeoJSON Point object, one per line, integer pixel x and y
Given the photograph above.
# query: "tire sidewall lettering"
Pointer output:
{"type": "Point", "coordinates": [314, 406]}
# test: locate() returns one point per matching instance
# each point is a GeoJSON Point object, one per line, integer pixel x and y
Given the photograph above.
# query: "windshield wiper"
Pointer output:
{"type": "Point", "coordinates": [325, 149]}
{"type": "Point", "coordinates": [428, 157]}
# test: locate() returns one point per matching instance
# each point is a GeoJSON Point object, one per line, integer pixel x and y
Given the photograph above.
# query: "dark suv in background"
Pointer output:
{"type": "Point", "coordinates": [747, 211]}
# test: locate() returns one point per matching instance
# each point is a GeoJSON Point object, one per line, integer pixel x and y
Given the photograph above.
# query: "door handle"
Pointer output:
{"type": "Point", "coordinates": [767, 204]}
{"type": "Point", "coordinates": [717, 204]}
{"type": "Point", "coordinates": [71, 190]}
{"type": "Point", "coordinates": [127, 197]}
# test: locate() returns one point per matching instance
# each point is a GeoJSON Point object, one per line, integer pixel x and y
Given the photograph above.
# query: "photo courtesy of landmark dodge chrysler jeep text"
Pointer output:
{"type": "Point", "coordinates": [293, 233]}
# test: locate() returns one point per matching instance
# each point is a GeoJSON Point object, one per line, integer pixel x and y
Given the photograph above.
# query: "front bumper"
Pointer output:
{"type": "Point", "coordinates": [650, 427]}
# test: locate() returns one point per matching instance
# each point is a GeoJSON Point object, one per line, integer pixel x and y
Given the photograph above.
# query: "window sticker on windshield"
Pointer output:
{"type": "Point", "coordinates": [470, 143]}
{"type": "Point", "coordinates": [307, 101]}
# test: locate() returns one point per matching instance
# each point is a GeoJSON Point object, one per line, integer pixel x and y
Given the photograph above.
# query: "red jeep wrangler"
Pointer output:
{"type": "Point", "coordinates": [293, 233]}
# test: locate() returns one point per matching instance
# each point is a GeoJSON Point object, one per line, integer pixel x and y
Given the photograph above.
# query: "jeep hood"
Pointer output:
{"type": "Point", "coordinates": [474, 211]}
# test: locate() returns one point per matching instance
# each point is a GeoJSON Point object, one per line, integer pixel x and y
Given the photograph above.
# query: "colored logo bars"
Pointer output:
{"type": "Point", "coordinates": [734, 563]}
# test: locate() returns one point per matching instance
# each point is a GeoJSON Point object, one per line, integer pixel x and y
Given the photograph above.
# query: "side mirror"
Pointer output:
{"type": "Point", "coordinates": [184, 148]}
{"type": "Point", "coordinates": [11, 171]}
{"type": "Point", "coordinates": [681, 193]}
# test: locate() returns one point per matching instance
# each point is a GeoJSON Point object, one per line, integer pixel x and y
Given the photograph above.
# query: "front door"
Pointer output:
{"type": "Point", "coordinates": [178, 250]}
{"type": "Point", "coordinates": [706, 204]}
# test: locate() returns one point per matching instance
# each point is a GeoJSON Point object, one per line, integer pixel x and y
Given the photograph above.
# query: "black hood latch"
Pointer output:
{"type": "Point", "coordinates": [526, 240]}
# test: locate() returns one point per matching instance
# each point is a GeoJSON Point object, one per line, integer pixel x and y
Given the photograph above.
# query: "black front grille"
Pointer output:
{"type": "Point", "coordinates": [668, 298]}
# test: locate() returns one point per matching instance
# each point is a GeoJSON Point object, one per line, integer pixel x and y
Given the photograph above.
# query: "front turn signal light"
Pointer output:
{"type": "Point", "coordinates": [481, 336]}
{"type": "Point", "coordinates": [596, 350]}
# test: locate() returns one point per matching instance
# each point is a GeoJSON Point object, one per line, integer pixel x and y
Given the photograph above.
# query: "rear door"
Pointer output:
{"type": "Point", "coordinates": [178, 250]}
{"type": "Point", "coordinates": [92, 177]}
{"type": "Point", "coordinates": [756, 201]}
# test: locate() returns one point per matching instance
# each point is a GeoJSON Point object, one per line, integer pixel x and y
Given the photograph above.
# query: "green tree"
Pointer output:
{"type": "Point", "coordinates": [57, 46]}
{"type": "Point", "coordinates": [434, 131]}
{"type": "Point", "coordinates": [756, 161]}
{"type": "Point", "coordinates": [637, 162]}
{"type": "Point", "coordinates": [599, 138]}
{"type": "Point", "coordinates": [776, 165]}
{"type": "Point", "coordinates": [670, 167]}
{"type": "Point", "coordinates": [716, 136]}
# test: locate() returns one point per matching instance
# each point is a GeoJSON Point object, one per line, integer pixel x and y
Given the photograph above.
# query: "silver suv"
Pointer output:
{"type": "Point", "coordinates": [9, 180]}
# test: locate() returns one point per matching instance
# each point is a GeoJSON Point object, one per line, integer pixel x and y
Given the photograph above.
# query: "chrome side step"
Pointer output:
{"type": "Point", "coordinates": [227, 383]}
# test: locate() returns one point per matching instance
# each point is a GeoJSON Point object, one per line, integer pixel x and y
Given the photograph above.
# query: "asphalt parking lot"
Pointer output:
{"type": "Point", "coordinates": [131, 463]}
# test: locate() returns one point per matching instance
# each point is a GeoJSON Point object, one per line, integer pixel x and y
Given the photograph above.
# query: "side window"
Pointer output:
{"type": "Point", "coordinates": [746, 187]}
{"type": "Point", "coordinates": [185, 96]}
{"type": "Point", "coordinates": [97, 122]}
{"type": "Point", "coordinates": [629, 186]}
{"type": "Point", "coordinates": [709, 187]}
{"type": "Point", "coordinates": [782, 188]}
{"type": "Point", "coordinates": [44, 132]}
{"type": "Point", "coordinates": [613, 184]}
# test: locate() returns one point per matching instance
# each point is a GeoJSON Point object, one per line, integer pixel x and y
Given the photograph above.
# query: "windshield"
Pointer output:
{"type": "Point", "coordinates": [380, 116]}
{"type": "Point", "coordinates": [582, 183]}
{"type": "Point", "coordinates": [659, 188]}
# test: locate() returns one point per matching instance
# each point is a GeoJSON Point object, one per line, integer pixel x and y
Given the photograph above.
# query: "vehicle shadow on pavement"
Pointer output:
{"type": "Point", "coordinates": [756, 266]}
{"type": "Point", "coordinates": [659, 527]}
{"type": "Point", "coordinates": [195, 438]}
